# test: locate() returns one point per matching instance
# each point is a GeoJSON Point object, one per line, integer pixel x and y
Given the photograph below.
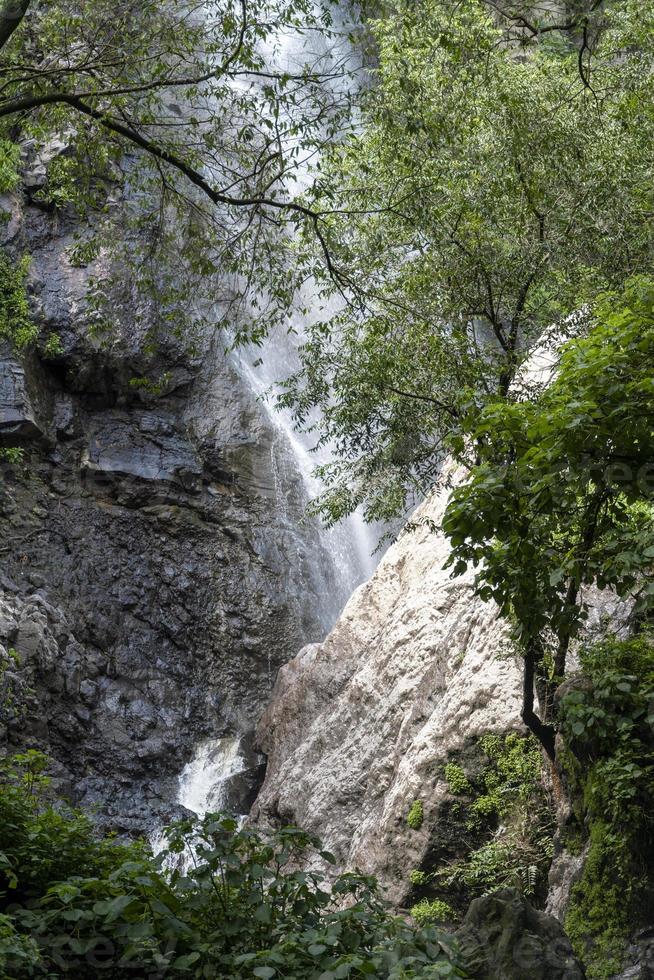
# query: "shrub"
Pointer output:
{"type": "Point", "coordinates": [499, 830]}
{"type": "Point", "coordinates": [427, 912]}
{"type": "Point", "coordinates": [456, 779]}
{"type": "Point", "coordinates": [74, 904]}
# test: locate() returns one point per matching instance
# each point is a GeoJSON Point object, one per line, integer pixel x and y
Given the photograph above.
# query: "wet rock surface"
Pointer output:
{"type": "Point", "coordinates": [153, 577]}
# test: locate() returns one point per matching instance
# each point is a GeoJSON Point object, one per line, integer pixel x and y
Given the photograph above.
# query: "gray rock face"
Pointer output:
{"type": "Point", "coordinates": [504, 938]}
{"type": "Point", "coordinates": [640, 957]}
{"type": "Point", "coordinates": [17, 414]}
{"type": "Point", "coordinates": [362, 724]}
{"type": "Point", "coordinates": [154, 567]}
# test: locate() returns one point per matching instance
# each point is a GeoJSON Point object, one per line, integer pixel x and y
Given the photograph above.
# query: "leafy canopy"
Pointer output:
{"type": "Point", "coordinates": [194, 122]}
{"type": "Point", "coordinates": [561, 496]}
{"type": "Point", "coordinates": [493, 191]}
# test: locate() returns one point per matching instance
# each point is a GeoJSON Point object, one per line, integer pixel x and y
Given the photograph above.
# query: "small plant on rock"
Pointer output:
{"type": "Point", "coordinates": [428, 912]}
{"type": "Point", "coordinates": [415, 816]}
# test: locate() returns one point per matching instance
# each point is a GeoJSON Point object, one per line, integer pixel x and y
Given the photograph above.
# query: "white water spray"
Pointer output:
{"type": "Point", "coordinates": [204, 783]}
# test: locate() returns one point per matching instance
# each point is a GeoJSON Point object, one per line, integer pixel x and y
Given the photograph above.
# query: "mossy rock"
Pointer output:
{"type": "Point", "coordinates": [504, 938]}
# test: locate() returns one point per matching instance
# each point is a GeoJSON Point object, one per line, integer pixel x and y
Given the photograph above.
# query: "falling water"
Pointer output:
{"type": "Point", "coordinates": [217, 758]}
{"type": "Point", "coordinates": [352, 543]}
{"type": "Point", "coordinates": [204, 783]}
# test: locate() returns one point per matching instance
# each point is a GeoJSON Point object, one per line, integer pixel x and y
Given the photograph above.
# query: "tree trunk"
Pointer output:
{"type": "Point", "coordinates": [544, 733]}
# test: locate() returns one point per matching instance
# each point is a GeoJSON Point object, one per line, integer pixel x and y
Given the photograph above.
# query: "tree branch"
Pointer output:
{"type": "Point", "coordinates": [448, 409]}
{"type": "Point", "coordinates": [12, 13]}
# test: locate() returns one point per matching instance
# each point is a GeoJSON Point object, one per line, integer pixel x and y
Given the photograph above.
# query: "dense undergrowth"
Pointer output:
{"type": "Point", "coordinates": [497, 827]}
{"type": "Point", "coordinates": [75, 904]}
{"type": "Point", "coordinates": [608, 724]}
{"type": "Point", "coordinates": [495, 830]}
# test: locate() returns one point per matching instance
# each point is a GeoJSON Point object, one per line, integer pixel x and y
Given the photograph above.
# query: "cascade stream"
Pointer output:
{"type": "Point", "coordinates": [209, 779]}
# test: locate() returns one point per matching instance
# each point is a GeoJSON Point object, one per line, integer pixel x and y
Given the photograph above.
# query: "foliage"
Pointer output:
{"type": "Point", "coordinates": [499, 830]}
{"type": "Point", "coordinates": [415, 815]}
{"type": "Point", "coordinates": [426, 912]}
{"type": "Point", "coordinates": [9, 166]}
{"type": "Point", "coordinates": [456, 779]}
{"type": "Point", "coordinates": [561, 491]}
{"type": "Point", "coordinates": [498, 864]}
{"type": "Point", "coordinates": [73, 903]}
{"type": "Point", "coordinates": [491, 194]}
{"type": "Point", "coordinates": [16, 322]}
{"type": "Point", "coordinates": [607, 723]}
{"type": "Point", "coordinates": [560, 497]}
{"type": "Point", "coordinates": [12, 454]}
{"type": "Point", "coordinates": [183, 135]}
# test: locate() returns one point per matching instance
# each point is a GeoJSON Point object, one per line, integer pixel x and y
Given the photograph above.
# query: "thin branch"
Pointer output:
{"type": "Point", "coordinates": [448, 409]}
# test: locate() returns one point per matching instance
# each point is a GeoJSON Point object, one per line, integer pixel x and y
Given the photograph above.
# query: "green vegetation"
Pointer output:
{"type": "Point", "coordinates": [426, 913]}
{"type": "Point", "coordinates": [9, 166]}
{"type": "Point", "coordinates": [12, 454]}
{"type": "Point", "coordinates": [456, 779]}
{"type": "Point", "coordinates": [211, 135]}
{"type": "Point", "coordinates": [16, 322]}
{"type": "Point", "coordinates": [492, 194]}
{"type": "Point", "coordinates": [560, 497]}
{"type": "Point", "coordinates": [608, 722]}
{"type": "Point", "coordinates": [72, 903]}
{"type": "Point", "coordinates": [497, 196]}
{"type": "Point", "coordinates": [496, 832]}
{"type": "Point", "coordinates": [415, 815]}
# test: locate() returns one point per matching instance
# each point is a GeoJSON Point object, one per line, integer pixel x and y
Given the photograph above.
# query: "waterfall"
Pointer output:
{"type": "Point", "coordinates": [204, 781]}
{"type": "Point", "coordinates": [207, 783]}
{"type": "Point", "coordinates": [352, 543]}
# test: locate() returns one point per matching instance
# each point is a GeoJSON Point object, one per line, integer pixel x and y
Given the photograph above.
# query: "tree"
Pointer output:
{"type": "Point", "coordinates": [194, 110]}
{"type": "Point", "coordinates": [561, 496]}
{"type": "Point", "coordinates": [503, 178]}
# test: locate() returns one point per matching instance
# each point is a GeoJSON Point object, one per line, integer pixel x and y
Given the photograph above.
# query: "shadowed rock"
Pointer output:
{"type": "Point", "coordinates": [504, 938]}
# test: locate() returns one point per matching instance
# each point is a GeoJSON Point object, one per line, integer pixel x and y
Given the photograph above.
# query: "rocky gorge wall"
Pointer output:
{"type": "Point", "coordinates": [361, 725]}
{"type": "Point", "coordinates": [155, 570]}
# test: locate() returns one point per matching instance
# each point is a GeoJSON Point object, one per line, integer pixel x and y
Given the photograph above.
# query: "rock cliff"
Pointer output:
{"type": "Point", "coordinates": [361, 725]}
{"type": "Point", "coordinates": [155, 570]}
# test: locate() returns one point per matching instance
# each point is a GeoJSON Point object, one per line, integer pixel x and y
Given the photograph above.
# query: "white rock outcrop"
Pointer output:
{"type": "Point", "coordinates": [360, 726]}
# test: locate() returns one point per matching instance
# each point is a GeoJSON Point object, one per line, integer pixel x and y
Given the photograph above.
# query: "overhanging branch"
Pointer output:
{"type": "Point", "coordinates": [12, 13]}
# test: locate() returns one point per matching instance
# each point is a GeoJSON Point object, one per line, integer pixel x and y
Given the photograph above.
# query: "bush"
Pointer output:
{"type": "Point", "coordinates": [607, 724]}
{"type": "Point", "coordinates": [426, 912]}
{"type": "Point", "coordinates": [456, 779]}
{"type": "Point", "coordinates": [73, 904]}
{"type": "Point", "coordinates": [497, 832]}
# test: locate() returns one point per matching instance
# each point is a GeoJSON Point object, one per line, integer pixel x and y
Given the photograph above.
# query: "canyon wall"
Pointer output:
{"type": "Point", "coordinates": [361, 725]}
{"type": "Point", "coordinates": [155, 567]}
